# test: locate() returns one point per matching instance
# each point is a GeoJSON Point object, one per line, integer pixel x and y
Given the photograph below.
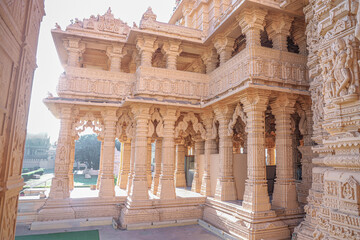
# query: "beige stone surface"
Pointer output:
{"type": "Point", "coordinates": [220, 78]}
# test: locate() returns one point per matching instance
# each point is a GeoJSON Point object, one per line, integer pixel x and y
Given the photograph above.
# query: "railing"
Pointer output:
{"type": "Point", "coordinates": [260, 63]}
{"type": "Point", "coordinates": [161, 81]}
{"type": "Point", "coordinates": [95, 83]}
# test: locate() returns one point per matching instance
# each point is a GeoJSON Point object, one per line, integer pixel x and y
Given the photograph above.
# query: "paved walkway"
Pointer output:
{"type": "Point", "coordinates": [108, 233]}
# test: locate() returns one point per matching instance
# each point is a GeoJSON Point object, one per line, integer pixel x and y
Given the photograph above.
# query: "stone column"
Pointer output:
{"type": "Point", "coordinates": [60, 182]}
{"type": "Point", "coordinates": [251, 21]}
{"type": "Point", "coordinates": [284, 190]}
{"type": "Point", "coordinates": [224, 47]}
{"type": "Point", "coordinates": [132, 161]}
{"type": "Point", "coordinates": [172, 50]}
{"type": "Point", "coordinates": [106, 188]}
{"type": "Point", "coordinates": [71, 164]}
{"type": "Point", "coordinates": [166, 188]}
{"type": "Point", "coordinates": [75, 49]}
{"type": "Point", "coordinates": [210, 59]}
{"type": "Point", "coordinates": [100, 164]}
{"type": "Point", "coordinates": [139, 187]}
{"type": "Point", "coordinates": [278, 29]}
{"type": "Point", "coordinates": [115, 54]}
{"type": "Point", "coordinates": [180, 180]}
{"type": "Point", "coordinates": [125, 165]}
{"type": "Point", "coordinates": [256, 198]}
{"type": "Point", "coordinates": [146, 47]}
{"type": "Point", "coordinates": [210, 148]}
{"type": "Point", "coordinates": [199, 149]}
{"type": "Point", "coordinates": [155, 182]}
{"type": "Point", "coordinates": [148, 163]}
{"type": "Point", "coordinates": [225, 184]}
{"type": "Point", "coordinates": [299, 36]}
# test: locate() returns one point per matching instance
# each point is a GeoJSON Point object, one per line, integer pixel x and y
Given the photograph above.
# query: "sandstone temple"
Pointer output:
{"type": "Point", "coordinates": [264, 94]}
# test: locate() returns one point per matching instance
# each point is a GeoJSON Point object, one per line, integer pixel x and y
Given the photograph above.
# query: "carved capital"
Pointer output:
{"type": "Point", "coordinates": [278, 28]}
{"type": "Point", "coordinates": [171, 49]}
{"type": "Point", "coordinates": [224, 46]}
{"type": "Point", "coordinates": [209, 57]}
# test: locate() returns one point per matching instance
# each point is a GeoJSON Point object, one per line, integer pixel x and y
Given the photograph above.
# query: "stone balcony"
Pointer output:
{"type": "Point", "coordinates": [259, 66]}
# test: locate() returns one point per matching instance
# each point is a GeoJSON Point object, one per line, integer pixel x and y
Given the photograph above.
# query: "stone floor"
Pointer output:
{"type": "Point", "coordinates": [108, 233]}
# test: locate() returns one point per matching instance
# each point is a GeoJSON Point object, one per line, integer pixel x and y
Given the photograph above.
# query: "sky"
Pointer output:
{"type": "Point", "coordinates": [49, 68]}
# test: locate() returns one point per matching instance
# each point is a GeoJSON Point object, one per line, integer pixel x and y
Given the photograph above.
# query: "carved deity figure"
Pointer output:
{"type": "Point", "coordinates": [329, 89]}
{"type": "Point", "coordinates": [343, 63]}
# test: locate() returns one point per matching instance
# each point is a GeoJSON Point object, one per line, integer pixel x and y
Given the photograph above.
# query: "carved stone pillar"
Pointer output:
{"type": "Point", "coordinates": [210, 148]}
{"type": "Point", "coordinates": [155, 182]}
{"type": "Point", "coordinates": [224, 47]}
{"type": "Point", "coordinates": [148, 163]}
{"type": "Point", "coordinates": [75, 49]}
{"type": "Point", "coordinates": [225, 184]}
{"type": "Point", "coordinates": [60, 182]}
{"type": "Point", "coordinates": [115, 54]}
{"type": "Point", "coordinates": [125, 165]}
{"type": "Point", "coordinates": [284, 190]}
{"type": "Point", "coordinates": [172, 50]}
{"type": "Point", "coordinates": [299, 36]}
{"type": "Point", "coordinates": [199, 149]}
{"type": "Point", "coordinates": [146, 47]}
{"type": "Point", "coordinates": [106, 188]}
{"type": "Point", "coordinates": [180, 180]}
{"type": "Point", "coordinates": [278, 29]}
{"type": "Point", "coordinates": [256, 198]}
{"type": "Point", "coordinates": [251, 21]}
{"type": "Point", "coordinates": [71, 165]}
{"type": "Point", "coordinates": [210, 59]}
{"type": "Point", "coordinates": [166, 188]}
{"type": "Point", "coordinates": [139, 188]}
{"type": "Point", "coordinates": [100, 165]}
{"type": "Point", "coordinates": [132, 161]}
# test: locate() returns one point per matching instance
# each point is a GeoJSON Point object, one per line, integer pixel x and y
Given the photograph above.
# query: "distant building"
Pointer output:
{"type": "Point", "coordinates": [39, 153]}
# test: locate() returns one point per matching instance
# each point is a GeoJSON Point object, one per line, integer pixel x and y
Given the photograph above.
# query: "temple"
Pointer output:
{"type": "Point", "coordinates": [263, 95]}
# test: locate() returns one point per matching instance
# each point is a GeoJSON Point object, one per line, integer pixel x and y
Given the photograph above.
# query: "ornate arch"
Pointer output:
{"type": "Point", "coordinates": [156, 119]}
{"type": "Point", "coordinates": [88, 121]}
{"type": "Point", "coordinates": [183, 125]}
{"type": "Point", "coordinates": [124, 126]}
{"type": "Point", "coordinates": [238, 112]}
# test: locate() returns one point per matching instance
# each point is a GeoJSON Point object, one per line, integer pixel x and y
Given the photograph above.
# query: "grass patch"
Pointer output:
{"type": "Point", "coordinates": [82, 235]}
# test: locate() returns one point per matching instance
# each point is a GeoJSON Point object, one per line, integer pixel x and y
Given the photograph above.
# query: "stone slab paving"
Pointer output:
{"type": "Point", "coordinates": [108, 233]}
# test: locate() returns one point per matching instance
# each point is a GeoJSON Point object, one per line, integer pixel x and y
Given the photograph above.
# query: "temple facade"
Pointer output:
{"type": "Point", "coordinates": [264, 95]}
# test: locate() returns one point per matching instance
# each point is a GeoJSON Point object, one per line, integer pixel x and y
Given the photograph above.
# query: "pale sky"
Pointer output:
{"type": "Point", "coordinates": [49, 67]}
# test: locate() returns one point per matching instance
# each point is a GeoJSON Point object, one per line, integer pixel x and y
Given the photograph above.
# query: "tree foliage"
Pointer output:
{"type": "Point", "coordinates": [87, 150]}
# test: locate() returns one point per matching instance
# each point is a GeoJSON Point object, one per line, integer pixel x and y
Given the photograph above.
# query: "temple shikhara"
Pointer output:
{"type": "Point", "coordinates": [251, 109]}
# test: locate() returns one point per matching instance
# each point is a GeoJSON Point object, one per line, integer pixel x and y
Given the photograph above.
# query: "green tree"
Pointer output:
{"type": "Point", "coordinates": [87, 150]}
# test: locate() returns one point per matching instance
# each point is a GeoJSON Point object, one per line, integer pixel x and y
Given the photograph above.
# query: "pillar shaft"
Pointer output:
{"type": "Point", "coordinates": [125, 164]}
{"type": "Point", "coordinates": [284, 190]}
{"type": "Point", "coordinates": [148, 163]}
{"type": "Point", "coordinates": [180, 180]}
{"type": "Point", "coordinates": [155, 182]}
{"type": "Point", "coordinates": [60, 182]}
{"type": "Point", "coordinates": [132, 161]}
{"type": "Point", "coordinates": [107, 185]}
{"type": "Point", "coordinates": [210, 148]}
{"type": "Point", "coordinates": [166, 188]}
{"type": "Point", "coordinates": [139, 188]}
{"type": "Point", "coordinates": [71, 165]}
{"type": "Point", "coordinates": [256, 196]}
{"type": "Point", "coordinates": [225, 184]}
{"type": "Point", "coordinates": [100, 165]}
{"type": "Point", "coordinates": [196, 184]}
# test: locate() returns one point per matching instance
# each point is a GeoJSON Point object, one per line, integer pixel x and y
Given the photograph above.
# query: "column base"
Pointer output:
{"type": "Point", "coordinates": [166, 189]}
{"type": "Point", "coordinates": [123, 180]}
{"type": "Point", "coordinates": [225, 189]}
{"type": "Point", "coordinates": [284, 196]}
{"type": "Point", "coordinates": [107, 186]}
{"type": "Point", "coordinates": [155, 212]}
{"type": "Point", "coordinates": [244, 225]}
{"type": "Point", "coordinates": [196, 183]}
{"type": "Point", "coordinates": [180, 180]}
{"type": "Point", "coordinates": [155, 184]}
{"type": "Point", "coordinates": [56, 209]}
{"type": "Point", "coordinates": [139, 190]}
{"type": "Point", "coordinates": [256, 198]}
{"type": "Point", "coordinates": [206, 186]}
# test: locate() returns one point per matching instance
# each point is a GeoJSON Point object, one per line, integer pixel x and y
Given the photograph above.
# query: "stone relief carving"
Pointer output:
{"type": "Point", "coordinates": [238, 112]}
{"type": "Point", "coordinates": [124, 126]}
{"type": "Point", "coordinates": [183, 125]}
{"type": "Point", "coordinates": [104, 23]}
{"type": "Point", "coordinates": [156, 125]}
{"type": "Point", "coordinates": [88, 121]}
